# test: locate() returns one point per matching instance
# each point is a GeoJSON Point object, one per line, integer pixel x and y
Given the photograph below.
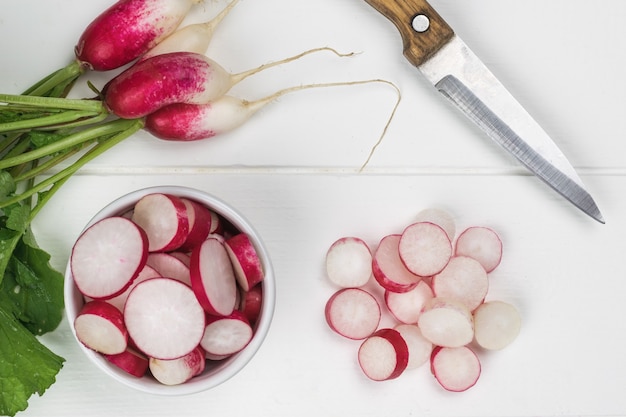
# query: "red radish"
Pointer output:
{"type": "Point", "coordinates": [439, 217]}
{"type": "Point", "coordinates": [217, 225]}
{"type": "Point", "coordinates": [463, 279]}
{"type": "Point", "coordinates": [353, 313]}
{"type": "Point", "coordinates": [164, 218]}
{"type": "Point", "coordinates": [419, 347]}
{"type": "Point", "coordinates": [456, 369]}
{"type": "Point", "coordinates": [108, 256]}
{"type": "Point", "coordinates": [169, 266]}
{"type": "Point", "coordinates": [245, 259]}
{"type": "Point", "coordinates": [128, 29]}
{"type": "Point", "coordinates": [130, 361]}
{"type": "Point", "coordinates": [180, 370]}
{"type": "Point", "coordinates": [349, 262]}
{"type": "Point", "coordinates": [199, 218]}
{"type": "Point", "coordinates": [185, 258]}
{"type": "Point", "coordinates": [425, 248]}
{"type": "Point", "coordinates": [164, 318]}
{"type": "Point", "coordinates": [192, 38]}
{"type": "Point", "coordinates": [213, 278]}
{"type": "Point", "coordinates": [384, 355]}
{"type": "Point", "coordinates": [100, 326]}
{"type": "Point", "coordinates": [251, 303]}
{"type": "Point", "coordinates": [446, 322]}
{"type": "Point", "coordinates": [177, 77]}
{"type": "Point", "coordinates": [496, 325]}
{"type": "Point", "coordinates": [226, 335]}
{"type": "Point", "coordinates": [482, 244]}
{"type": "Point", "coordinates": [147, 272]}
{"type": "Point", "coordinates": [406, 307]}
{"type": "Point", "coordinates": [388, 268]}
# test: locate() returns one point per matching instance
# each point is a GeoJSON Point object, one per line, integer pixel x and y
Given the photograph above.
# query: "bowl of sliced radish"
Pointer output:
{"type": "Point", "coordinates": [169, 290]}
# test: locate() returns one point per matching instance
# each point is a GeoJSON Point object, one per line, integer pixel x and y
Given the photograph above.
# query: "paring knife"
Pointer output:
{"type": "Point", "coordinates": [446, 61]}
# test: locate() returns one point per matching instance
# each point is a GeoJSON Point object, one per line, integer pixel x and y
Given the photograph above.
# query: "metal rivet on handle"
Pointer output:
{"type": "Point", "coordinates": [420, 23]}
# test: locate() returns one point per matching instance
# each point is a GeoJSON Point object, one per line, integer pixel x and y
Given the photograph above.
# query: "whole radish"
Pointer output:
{"type": "Point", "coordinates": [127, 30]}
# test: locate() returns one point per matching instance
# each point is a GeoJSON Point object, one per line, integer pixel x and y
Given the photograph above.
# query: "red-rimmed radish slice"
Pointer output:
{"type": "Point", "coordinates": [406, 307]}
{"type": "Point", "coordinates": [419, 347]}
{"type": "Point", "coordinates": [446, 322]}
{"type": "Point", "coordinates": [482, 244]}
{"type": "Point", "coordinates": [245, 259]}
{"type": "Point", "coordinates": [169, 266]}
{"type": "Point", "coordinates": [251, 303]}
{"type": "Point", "coordinates": [441, 218]}
{"type": "Point", "coordinates": [496, 324]}
{"type": "Point", "coordinates": [384, 355]}
{"type": "Point", "coordinates": [199, 217]}
{"type": "Point", "coordinates": [217, 224]}
{"type": "Point", "coordinates": [147, 272]}
{"type": "Point", "coordinates": [349, 262]}
{"type": "Point", "coordinates": [463, 279]}
{"type": "Point", "coordinates": [164, 218]}
{"type": "Point", "coordinates": [388, 268]}
{"type": "Point", "coordinates": [353, 313]}
{"type": "Point", "coordinates": [164, 318]}
{"type": "Point", "coordinates": [107, 257]}
{"type": "Point", "coordinates": [226, 335]}
{"type": "Point", "coordinates": [100, 327]}
{"type": "Point", "coordinates": [130, 361]}
{"type": "Point", "coordinates": [180, 370]}
{"type": "Point", "coordinates": [425, 248]}
{"type": "Point", "coordinates": [456, 369]}
{"type": "Point", "coordinates": [213, 278]}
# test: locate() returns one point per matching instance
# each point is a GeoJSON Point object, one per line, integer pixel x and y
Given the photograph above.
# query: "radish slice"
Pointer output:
{"type": "Point", "coordinates": [406, 307]}
{"type": "Point", "coordinates": [246, 263]}
{"type": "Point", "coordinates": [107, 257]}
{"type": "Point", "coordinates": [349, 262]}
{"type": "Point", "coordinates": [164, 318]}
{"type": "Point", "coordinates": [180, 370]}
{"type": "Point", "coordinates": [384, 355]}
{"type": "Point", "coordinates": [353, 313]}
{"type": "Point", "coordinates": [130, 361]}
{"type": "Point", "coordinates": [146, 273]}
{"type": "Point", "coordinates": [251, 303]}
{"type": "Point", "coordinates": [419, 347]}
{"type": "Point", "coordinates": [439, 217]}
{"type": "Point", "coordinates": [226, 335]}
{"type": "Point", "coordinates": [213, 278]}
{"type": "Point", "coordinates": [482, 244]}
{"type": "Point", "coordinates": [456, 369]}
{"type": "Point", "coordinates": [100, 327]}
{"type": "Point", "coordinates": [199, 218]}
{"type": "Point", "coordinates": [164, 218]}
{"type": "Point", "coordinates": [496, 324]}
{"type": "Point", "coordinates": [388, 268]}
{"type": "Point", "coordinates": [447, 323]}
{"type": "Point", "coordinates": [425, 248]}
{"type": "Point", "coordinates": [463, 279]}
{"type": "Point", "coordinates": [169, 266]}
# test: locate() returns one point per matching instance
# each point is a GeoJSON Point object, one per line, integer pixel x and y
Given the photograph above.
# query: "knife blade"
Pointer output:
{"type": "Point", "coordinates": [431, 45]}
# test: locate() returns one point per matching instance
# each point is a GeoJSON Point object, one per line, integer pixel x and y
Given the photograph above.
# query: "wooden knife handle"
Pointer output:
{"type": "Point", "coordinates": [419, 45]}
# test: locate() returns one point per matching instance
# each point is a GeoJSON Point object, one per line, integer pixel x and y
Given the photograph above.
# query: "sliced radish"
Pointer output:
{"type": "Point", "coordinates": [439, 217]}
{"type": "Point", "coordinates": [184, 257]}
{"type": "Point", "coordinates": [213, 278]}
{"type": "Point", "coordinates": [419, 347]}
{"type": "Point", "coordinates": [425, 248]}
{"type": "Point", "coordinates": [456, 369]}
{"type": "Point", "coordinates": [169, 266]}
{"type": "Point", "coordinates": [496, 324]}
{"type": "Point", "coordinates": [406, 307]}
{"type": "Point", "coordinates": [164, 318]}
{"type": "Point", "coordinates": [226, 335]}
{"type": "Point", "coordinates": [245, 259]}
{"type": "Point", "coordinates": [446, 322]}
{"type": "Point", "coordinates": [130, 361]}
{"type": "Point", "coordinates": [164, 218]}
{"type": "Point", "coordinates": [384, 355]}
{"type": "Point", "coordinates": [147, 272]}
{"type": "Point", "coordinates": [353, 313]}
{"type": "Point", "coordinates": [388, 268]}
{"type": "Point", "coordinates": [100, 326]}
{"type": "Point", "coordinates": [217, 225]}
{"type": "Point", "coordinates": [463, 279]}
{"type": "Point", "coordinates": [482, 244]}
{"type": "Point", "coordinates": [349, 262]}
{"type": "Point", "coordinates": [180, 370]}
{"type": "Point", "coordinates": [251, 303]}
{"type": "Point", "coordinates": [199, 217]}
{"type": "Point", "coordinates": [107, 257]}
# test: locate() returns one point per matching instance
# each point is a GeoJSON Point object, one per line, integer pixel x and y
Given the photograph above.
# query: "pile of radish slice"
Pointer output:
{"type": "Point", "coordinates": [168, 286]}
{"type": "Point", "coordinates": [433, 284]}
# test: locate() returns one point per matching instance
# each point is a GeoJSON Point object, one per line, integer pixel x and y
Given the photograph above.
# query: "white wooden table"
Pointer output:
{"type": "Point", "coordinates": [293, 171]}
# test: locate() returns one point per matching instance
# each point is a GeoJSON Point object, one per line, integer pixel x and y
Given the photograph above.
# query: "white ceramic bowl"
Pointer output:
{"type": "Point", "coordinates": [214, 374]}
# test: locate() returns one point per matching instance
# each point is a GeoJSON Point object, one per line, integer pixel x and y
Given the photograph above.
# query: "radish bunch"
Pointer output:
{"type": "Point", "coordinates": [168, 285]}
{"type": "Point", "coordinates": [433, 284]}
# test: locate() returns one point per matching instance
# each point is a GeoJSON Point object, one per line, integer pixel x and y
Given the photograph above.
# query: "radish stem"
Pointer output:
{"type": "Point", "coordinates": [58, 83]}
